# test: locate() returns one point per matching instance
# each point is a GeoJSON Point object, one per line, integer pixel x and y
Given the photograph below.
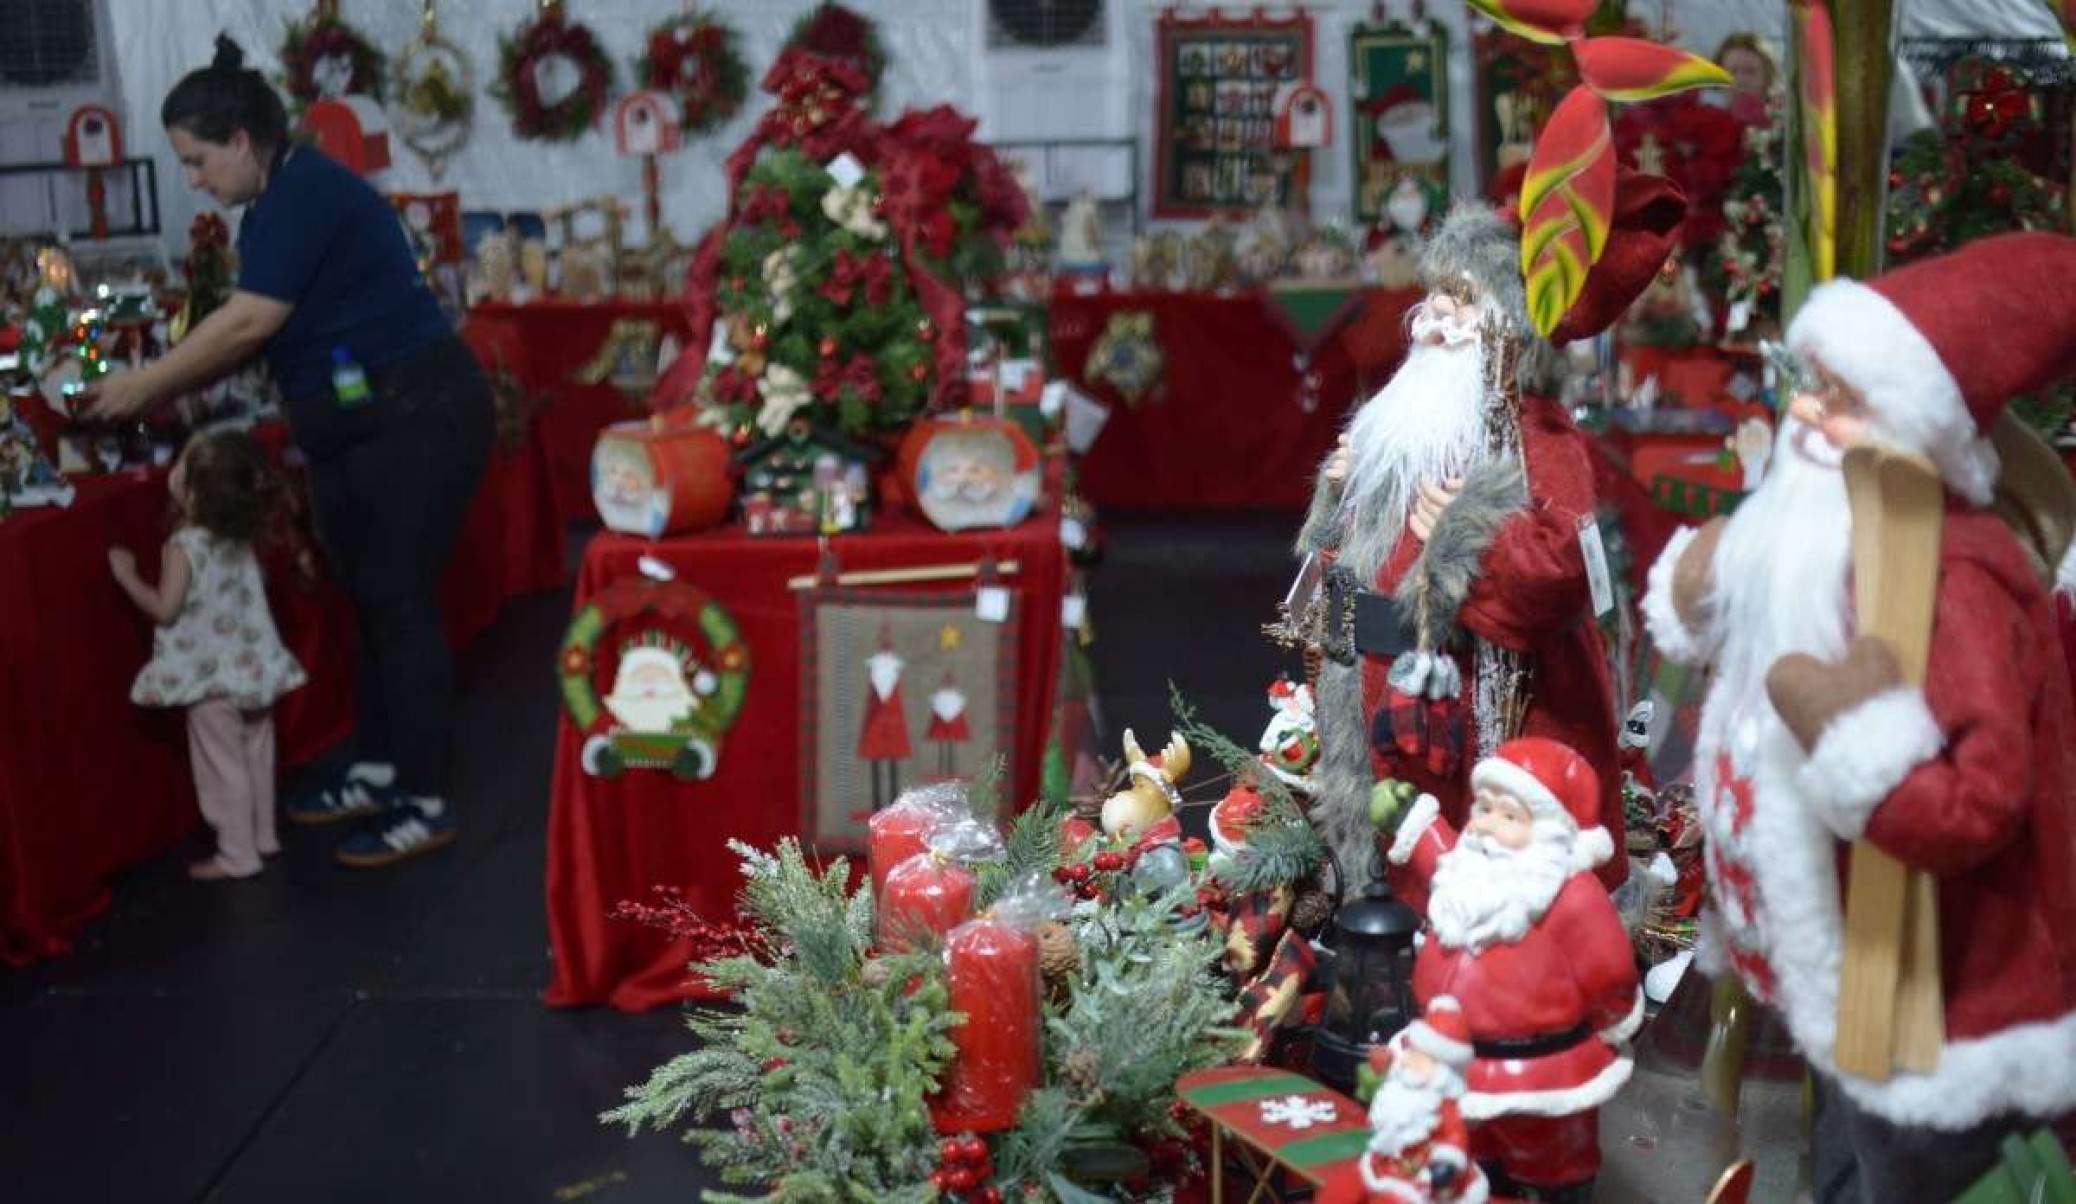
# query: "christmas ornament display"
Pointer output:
{"type": "Point", "coordinates": [1969, 178]}
{"type": "Point", "coordinates": [652, 480]}
{"type": "Point", "coordinates": [805, 480]}
{"type": "Point", "coordinates": [695, 58]}
{"type": "Point", "coordinates": [435, 95]}
{"type": "Point", "coordinates": [968, 471]}
{"type": "Point", "coordinates": [1751, 253]}
{"type": "Point", "coordinates": [324, 58]}
{"type": "Point", "coordinates": [679, 672]}
{"type": "Point", "coordinates": [553, 77]}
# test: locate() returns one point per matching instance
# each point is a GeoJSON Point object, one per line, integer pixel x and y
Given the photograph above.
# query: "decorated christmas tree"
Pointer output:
{"type": "Point", "coordinates": [1745, 270]}
{"type": "Point", "coordinates": [1970, 178]}
{"type": "Point", "coordinates": [834, 290]}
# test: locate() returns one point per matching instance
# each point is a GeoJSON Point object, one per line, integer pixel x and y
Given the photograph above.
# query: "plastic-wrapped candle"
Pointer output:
{"type": "Point", "coordinates": [991, 968]}
{"type": "Point", "coordinates": [902, 828]}
{"type": "Point", "coordinates": [930, 893]}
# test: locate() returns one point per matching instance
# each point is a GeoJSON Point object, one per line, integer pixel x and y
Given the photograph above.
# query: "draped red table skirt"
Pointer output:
{"type": "Point", "coordinates": [612, 840]}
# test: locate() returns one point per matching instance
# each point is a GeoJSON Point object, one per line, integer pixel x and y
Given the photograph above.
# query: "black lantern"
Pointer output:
{"type": "Point", "coordinates": [1372, 992]}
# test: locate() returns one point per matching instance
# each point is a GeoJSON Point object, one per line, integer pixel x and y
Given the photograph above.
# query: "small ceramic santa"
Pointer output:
{"type": "Point", "coordinates": [1419, 1150]}
{"type": "Point", "coordinates": [1522, 932]}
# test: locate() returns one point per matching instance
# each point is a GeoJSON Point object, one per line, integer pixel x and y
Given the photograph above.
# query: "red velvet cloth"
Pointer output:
{"type": "Point", "coordinates": [612, 840]}
{"type": "Point", "coordinates": [1224, 428]}
{"type": "Point", "coordinates": [91, 784]}
{"type": "Point", "coordinates": [547, 342]}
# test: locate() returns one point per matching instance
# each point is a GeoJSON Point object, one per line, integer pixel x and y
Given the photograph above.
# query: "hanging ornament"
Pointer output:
{"type": "Point", "coordinates": [1127, 357]}
{"type": "Point", "coordinates": [679, 671]}
{"type": "Point", "coordinates": [436, 95]}
{"type": "Point", "coordinates": [695, 58]}
{"type": "Point", "coordinates": [552, 76]}
{"type": "Point", "coordinates": [324, 58]}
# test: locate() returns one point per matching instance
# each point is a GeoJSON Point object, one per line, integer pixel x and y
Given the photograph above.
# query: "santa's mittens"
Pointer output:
{"type": "Point", "coordinates": [1694, 575]}
{"type": "Point", "coordinates": [1808, 693]}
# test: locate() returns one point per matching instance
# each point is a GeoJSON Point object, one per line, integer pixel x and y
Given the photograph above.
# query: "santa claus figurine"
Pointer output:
{"type": "Point", "coordinates": [1419, 1149]}
{"type": "Point", "coordinates": [1456, 612]}
{"type": "Point", "coordinates": [1520, 930]}
{"type": "Point", "coordinates": [1810, 738]}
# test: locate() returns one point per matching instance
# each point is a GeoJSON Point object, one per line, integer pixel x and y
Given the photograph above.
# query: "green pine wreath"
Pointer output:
{"type": "Point", "coordinates": [631, 598]}
{"type": "Point", "coordinates": [695, 57]}
{"type": "Point", "coordinates": [549, 34]}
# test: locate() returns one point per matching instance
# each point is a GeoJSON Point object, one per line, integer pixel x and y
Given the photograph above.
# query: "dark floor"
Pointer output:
{"type": "Point", "coordinates": [318, 1034]}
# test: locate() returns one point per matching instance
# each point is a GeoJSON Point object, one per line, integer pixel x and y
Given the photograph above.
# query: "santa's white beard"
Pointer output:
{"type": "Point", "coordinates": [1403, 1115]}
{"type": "Point", "coordinates": [1486, 894]}
{"type": "Point", "coordinates": [650, 712]}
{"type": "Point", "coordinates": [1783, 567]}
{"type": "Point", "coordinates": [1427, 424]}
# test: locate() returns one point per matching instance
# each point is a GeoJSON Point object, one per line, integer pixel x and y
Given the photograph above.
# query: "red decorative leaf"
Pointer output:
{"type": "Point", "coordinates": [1633, 69]}
{"type": "Point", "coordinates": [1551, 22]}
{"type": "Point", "coordinates": [1567, 204]}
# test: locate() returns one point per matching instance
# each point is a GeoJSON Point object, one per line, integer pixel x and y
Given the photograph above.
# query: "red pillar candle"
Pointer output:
{"type": "Point", "coordinates": [893, 835]}
{"type": "Point", "coordinates": [926, 896]}
{"type": "Point", "coordinates": [992, 972]}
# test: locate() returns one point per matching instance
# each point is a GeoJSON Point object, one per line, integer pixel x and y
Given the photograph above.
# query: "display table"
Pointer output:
{"type": "Point", "coordinates": [1227, 427]}
{"type": "Point", "coordinates": [613, 840]}
{"type": "Point", "coordinates": [91, 784]}
{"type": "Point", "coordinates": [543, 344]}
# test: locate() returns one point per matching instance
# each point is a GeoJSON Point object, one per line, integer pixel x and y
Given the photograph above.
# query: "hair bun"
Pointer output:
{"type": "Point", "coordinates": [229, 55]}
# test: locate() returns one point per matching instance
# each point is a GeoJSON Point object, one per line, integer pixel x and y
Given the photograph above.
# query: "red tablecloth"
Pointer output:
{"type": "Point", "coordinates": [1225, 429]}
{"type": "Point", "coordinates": [90, 784]}
{"type": "Point", "coordinates": [544, 344]}
{"type": "Point", "coordinates": [612, 840]}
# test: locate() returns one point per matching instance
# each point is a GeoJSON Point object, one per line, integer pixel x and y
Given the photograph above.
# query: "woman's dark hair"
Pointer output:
{"type": "Point", "coordinates": [218, 100]}
{"type": "Point", "coordinates": [232, 489]}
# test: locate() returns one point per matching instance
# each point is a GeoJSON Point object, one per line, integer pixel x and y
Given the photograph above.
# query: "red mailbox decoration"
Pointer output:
{"type": "Point", "coordinates": [1304, 117]}
{"type": "Point", "coordinates": [351, 130]}
{"type": "Point", "coordinates": [93, 138]}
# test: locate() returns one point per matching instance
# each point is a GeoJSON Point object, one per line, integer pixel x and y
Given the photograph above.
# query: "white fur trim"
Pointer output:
{"type": "Point", "coordinates": [2024, 1069]}
{"type": "Point", "coordinates": [1422, 1036]}
{"type": "Point", "coordinates": [1865, 753]}
{"type": "Point", "coordinates": [1862, 337]}
{"type": "Point", "coordinates": [1625, 1028]}
{"type": "Point", "coordinates": [1563, 1101]}
{"type": "Point", "coordinates": [1498, 773]}
{"type": "Point", "coordinates": [1591, 848]}
{"type": "Point", "coordinates": [1675, 641]}
{"type": "Point", "coordinates": [1419, 818]}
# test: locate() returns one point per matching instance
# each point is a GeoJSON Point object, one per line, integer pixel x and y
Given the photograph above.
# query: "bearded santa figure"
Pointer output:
{"type": "Point", "coordinates": [1456, 612]}
{"type": "Point", "coordinates": [1419, 1148]}
{"type": "Point", "coordinates": [1810, 739]}
{"type": "Point", "coordinates": [1520, 930]}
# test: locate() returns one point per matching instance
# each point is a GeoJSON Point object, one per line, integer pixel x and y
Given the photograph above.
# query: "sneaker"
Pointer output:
{"type": "Point", "coordinates": [347, 797]}
{"type": "Point", "coordinates": [406, 830]}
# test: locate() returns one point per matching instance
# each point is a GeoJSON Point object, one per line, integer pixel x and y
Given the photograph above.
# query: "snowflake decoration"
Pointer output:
{"type": "Point", "coordinates": [1298, 1112]}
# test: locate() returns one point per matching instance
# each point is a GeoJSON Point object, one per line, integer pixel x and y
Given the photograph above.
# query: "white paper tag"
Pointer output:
{"type": "Point", "coordinates": [992, 604]}
{"type": "Point", "coordinates": [847, 170]}
{"type": "Point", "coordinates": [1740, 316]}
{"type": "Point", "coordinates": [1052, 401]}
{"type": "Point", "coordinates": [1596, 567]}
{"type": "Point", "coordinates": [1016, 374]}
{"type": "Point", "coordinates": [1073, 535]}
{"type": "Point", "coordinates": [1073, 612]}
{"type": "Point", "coordinates": [718, 350]}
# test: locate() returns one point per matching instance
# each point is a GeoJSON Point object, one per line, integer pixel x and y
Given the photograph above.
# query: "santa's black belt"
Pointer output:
{"type": "Point", "coordinates": [1531, 1047]}
{"type": "Point", "coordinates": [1365, 621]}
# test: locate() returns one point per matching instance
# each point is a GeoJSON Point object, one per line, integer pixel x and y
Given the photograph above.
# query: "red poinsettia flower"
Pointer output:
{"type": "Point", "coordinates": [1696, 145]}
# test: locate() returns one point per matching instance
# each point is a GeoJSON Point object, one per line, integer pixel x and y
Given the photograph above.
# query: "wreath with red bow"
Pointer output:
{"type": "Point", "coordinates": [518, 86]}
{"type": "Point", "coordinates": [320, 36]}
{"type": "Point", "coordinates": [694, 58]}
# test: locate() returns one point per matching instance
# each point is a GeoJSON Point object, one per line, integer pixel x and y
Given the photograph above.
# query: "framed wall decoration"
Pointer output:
{"type": "Point", "coordinates": [1398, 85]}
{"type": "Point", "coordinates": [1215, 119]}
{"type": "Point", "coordinates": [897, 689]}
{"type": "Point", "coordinates": [1518, 85]}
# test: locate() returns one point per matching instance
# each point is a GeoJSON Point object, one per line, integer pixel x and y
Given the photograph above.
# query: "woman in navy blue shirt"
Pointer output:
{"type": "Point", "coordinates": [389, 408]}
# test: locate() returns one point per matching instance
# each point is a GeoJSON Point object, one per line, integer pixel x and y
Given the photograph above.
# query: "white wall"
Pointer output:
{"type": "Point", "coordinates": [936, 52]}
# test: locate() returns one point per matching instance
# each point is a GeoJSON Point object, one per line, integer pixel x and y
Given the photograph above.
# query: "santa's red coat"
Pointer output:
{"type": "Point", "coordinates": [1404, 1172]}
{"type": "Point", "coordinates": [1970, 778]}
{"type": "Point", "coordinates": [1574, 969]}
{"type": "Point", "coordinates": [1531, 596]}
{"type": "Point", "coordinates": [885, 733]}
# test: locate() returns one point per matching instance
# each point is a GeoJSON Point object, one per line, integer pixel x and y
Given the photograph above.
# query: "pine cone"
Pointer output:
{"type": "Point", "coordinates": [1059, 954]}
{"type": "Point", "coordinates": [1082, 1068]}
{"type": "Point", "coordinates": [875, 973]}
{"type": "Point", "coordinates": [1314, 907]}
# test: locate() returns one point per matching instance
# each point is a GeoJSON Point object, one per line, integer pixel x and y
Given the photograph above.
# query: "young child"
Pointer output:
{"type": "Point", "coordinates": [216, 651]}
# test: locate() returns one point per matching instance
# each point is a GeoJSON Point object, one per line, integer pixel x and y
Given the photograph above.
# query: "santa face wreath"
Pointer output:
{"type": "Point", "coordinates": [324, 58]}
{"type": "Point", "coordinates": [552, 77]}
{"type": "Point", "coordinates": [694, 58]}
{"type": "Point", "coordinates": [678, 681]}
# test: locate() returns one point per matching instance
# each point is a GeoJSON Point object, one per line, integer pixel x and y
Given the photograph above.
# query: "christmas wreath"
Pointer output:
{"type": "Point", "coordinates": [315, 51]}
{"type": "Point", "coordinates": [694, 58]}
{"type": "Point", "coordinates": [520, 62]}
{"type": "Point", "coordinates": [835, 32]}
{"type": "Point", "coordinates": [718, 682]}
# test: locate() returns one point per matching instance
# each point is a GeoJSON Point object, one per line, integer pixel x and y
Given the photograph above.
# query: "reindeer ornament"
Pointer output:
{"type": "Point", "coordinates": [1151, 794]}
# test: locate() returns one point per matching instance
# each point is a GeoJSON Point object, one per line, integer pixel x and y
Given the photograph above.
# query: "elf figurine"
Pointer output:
{"type": "Point", "coordinates": [1419, 1148]}
{"type": "Point", "coordinates": [1810, 738]}
{"type": "Point", "coordinates": [1524, 935]}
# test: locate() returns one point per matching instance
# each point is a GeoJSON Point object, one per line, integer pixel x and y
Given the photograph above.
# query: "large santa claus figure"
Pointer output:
{"type": "Point", "coordinates": [1457, 612]}
{"type": "Point", "coordinates": [1520, 931]}
{"type": "Point", "coordinates": [1419, 1147]}
{"type": "Point", "coordinates": [1809, 739]}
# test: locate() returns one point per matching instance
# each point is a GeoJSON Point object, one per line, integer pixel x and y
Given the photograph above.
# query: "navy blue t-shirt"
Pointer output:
{"type": "Point", "coordinates": [322, 240]}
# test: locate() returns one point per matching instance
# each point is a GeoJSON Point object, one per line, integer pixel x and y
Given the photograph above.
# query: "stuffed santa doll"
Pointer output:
{"type": "Point", "coordinates": [1520, 930]}
{"type": "Point", "coordinates": [1810, 739]}
{"type": "Point", "coordinates": [1419, 1148]}
{"type": "Point", "coordinates": [1456, 611]}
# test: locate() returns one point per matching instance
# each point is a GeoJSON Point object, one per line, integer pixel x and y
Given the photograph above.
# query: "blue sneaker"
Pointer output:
{"type": "Point", "coordinates": [347, 797]}
{"type": "Point", "coordinates": [405, 830]}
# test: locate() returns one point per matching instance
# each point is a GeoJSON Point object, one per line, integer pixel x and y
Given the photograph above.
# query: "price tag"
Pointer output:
{"type": "Point", "coordinates": [1596, 566]}
{"type": "Point", "coordinates": [1073, 535]}
{"type": "Point", "coordinates": [992, 604]}
{"type": "Point", "coordinates": [1073, 612]}
{"type": "Point", "coordinates": [847, 170]}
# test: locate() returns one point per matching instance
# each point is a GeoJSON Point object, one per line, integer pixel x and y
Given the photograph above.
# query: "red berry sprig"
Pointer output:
{"type": "Point", "coordinates": [966, 1167]}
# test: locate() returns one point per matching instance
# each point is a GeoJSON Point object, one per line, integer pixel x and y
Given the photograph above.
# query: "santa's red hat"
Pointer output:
{"type": "Point", "coordinates": [1557, 785]}
{"type": "Point", "coordinates": [1940, 347]}
{"type": "Point", "coordinates": [1442, 1033]}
